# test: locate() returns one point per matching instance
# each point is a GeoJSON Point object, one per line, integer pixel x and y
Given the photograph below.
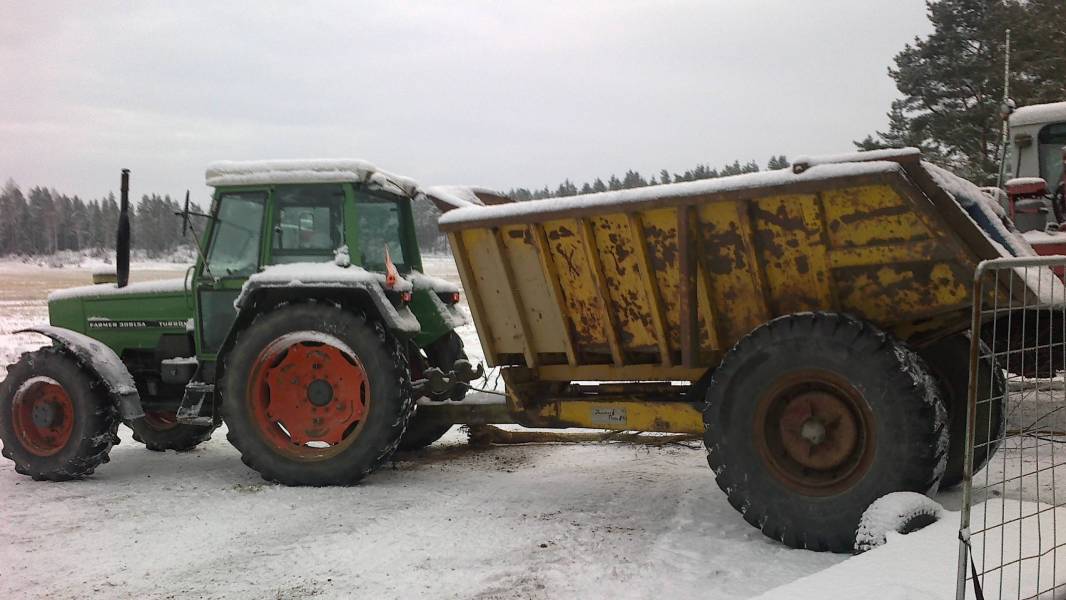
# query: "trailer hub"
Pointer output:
{"type": "Point", "coordinates": [813, 430]}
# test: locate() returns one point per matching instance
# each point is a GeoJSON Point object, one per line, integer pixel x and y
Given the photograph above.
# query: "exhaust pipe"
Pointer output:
{"type": "Point", "coordinates": [122, 246]}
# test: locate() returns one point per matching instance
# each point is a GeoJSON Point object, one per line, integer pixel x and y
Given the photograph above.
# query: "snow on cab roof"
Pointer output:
{"type": "Point", "coordinates": [306, 170]}
{"type": "Point", "coordinates": [823, 170]}
{"type": "Point", "coordinates": [1039, 113]}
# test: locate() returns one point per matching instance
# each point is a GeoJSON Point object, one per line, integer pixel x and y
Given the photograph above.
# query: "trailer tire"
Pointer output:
{"type": "Point", "coordinates": [949, 361]}
{"type": "Point", "coordinates": [56, 419]}
{"type": "Point", "coordinates": [421, 431]}
{"type": "Point", "coordinates": [339, 430]}
{"type": "Point", "coordinates": [813, 416]}
{"type": "Point", "coordinates": [161, 431]}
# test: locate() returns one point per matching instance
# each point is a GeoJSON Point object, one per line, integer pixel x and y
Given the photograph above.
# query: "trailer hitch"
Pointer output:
{"type": "Point", "coordinates": [438, 385]}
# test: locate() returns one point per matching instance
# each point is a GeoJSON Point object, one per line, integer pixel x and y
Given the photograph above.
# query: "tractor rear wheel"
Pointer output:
{"type": "Point", "coordinates": [811, 417]}
{"type": "Point", "coordinates": [442, 354]}
{"type": "Point", "coordinates": [949, 361]}
{"type": "Point", "coordinates": [315, 395]}
{"type": "Point", "coordinates": [160, 431]}
{"type": "Point", "coordinates": [56, 420]}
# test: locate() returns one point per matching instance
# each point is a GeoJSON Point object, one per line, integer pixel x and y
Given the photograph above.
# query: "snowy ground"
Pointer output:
{"type": "Point", "coordinates": [537, 521]}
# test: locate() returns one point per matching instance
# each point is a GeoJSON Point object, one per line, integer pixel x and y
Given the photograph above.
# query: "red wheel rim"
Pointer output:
{"type": "Point", "coordinates": [815, 432]}
{"type": "Point", "coordinates": [308, 395]}
{"type": "Point", "coordinates": [160, 421]}
{"type": "Point", "coordinates": [42, 416]}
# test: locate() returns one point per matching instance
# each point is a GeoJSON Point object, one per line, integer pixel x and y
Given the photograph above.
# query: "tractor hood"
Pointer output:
{"type": "Point", "coordinates": [104, 311]}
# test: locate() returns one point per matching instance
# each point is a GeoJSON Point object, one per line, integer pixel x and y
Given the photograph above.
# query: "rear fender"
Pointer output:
{"type": "Point", "coordinates": [259, 296]}
{"type": "Point", "coordinates": [103, 362]}
{"type": "Point", "coordinates": [256, 299]}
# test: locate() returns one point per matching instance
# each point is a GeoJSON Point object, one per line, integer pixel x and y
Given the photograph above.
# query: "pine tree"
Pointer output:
{"type": "Point", "coordinates": [952, 81]}
{"type": "Point", "coordinates": [777, 162]}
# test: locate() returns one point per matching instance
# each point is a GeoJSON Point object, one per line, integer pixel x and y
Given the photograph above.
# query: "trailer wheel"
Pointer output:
{"type": "Point", "coordinates": [56, 421]}
{"type": "Point", "coordinates": [315, 395]}
{"type": "Point", "coordinates": [442, 353]}
{"type": "Point", "coordinates": [949, 361]}
{"type": "Point", "coordinates": [160, 431]}
{"type": "Point", "coordinates": [812, 417]}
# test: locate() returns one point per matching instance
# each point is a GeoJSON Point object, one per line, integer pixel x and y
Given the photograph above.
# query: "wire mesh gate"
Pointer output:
{"type": "Point", "coordinates": [1013, 524]}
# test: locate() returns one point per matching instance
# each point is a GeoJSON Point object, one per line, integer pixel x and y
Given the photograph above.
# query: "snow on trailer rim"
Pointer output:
{"type": "Point", "coordinates": [747, 181]}
{"type": "Point", "coordinates": [303, 170]}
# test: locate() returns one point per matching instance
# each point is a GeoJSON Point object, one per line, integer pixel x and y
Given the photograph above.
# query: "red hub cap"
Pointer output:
{"type": "Point", "coordinates": [309, 394]}
{"type": "Point", "coordinates": [43, 416]}
{"type": "Point", "coordinates": [815, 432]}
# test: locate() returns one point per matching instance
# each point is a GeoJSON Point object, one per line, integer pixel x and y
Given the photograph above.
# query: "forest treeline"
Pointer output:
{"type": "Point", "coordinates": [45, 221]}
{"type": "Point", "coordinates": [431, 238]}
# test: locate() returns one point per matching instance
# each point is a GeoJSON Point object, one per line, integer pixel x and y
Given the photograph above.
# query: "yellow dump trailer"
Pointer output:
{"type": "Point", "coordinates": [810, 323]}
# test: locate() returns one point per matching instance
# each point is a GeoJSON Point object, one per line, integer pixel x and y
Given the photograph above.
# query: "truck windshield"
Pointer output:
{"type": "Point", "coordinates": [237, 231]}
{"type": "Point", "coordinates": [1052, 139]}
{"type": "Point", "coordinates": [379, 225]}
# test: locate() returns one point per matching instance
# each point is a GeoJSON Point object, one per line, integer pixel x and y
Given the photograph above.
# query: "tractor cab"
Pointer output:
{"type": "Point", "coordinates": [269, 214]}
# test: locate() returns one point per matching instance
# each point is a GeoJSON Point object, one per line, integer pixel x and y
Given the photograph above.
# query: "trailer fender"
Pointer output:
{"type": "Point", "coordinates": [103, 362]}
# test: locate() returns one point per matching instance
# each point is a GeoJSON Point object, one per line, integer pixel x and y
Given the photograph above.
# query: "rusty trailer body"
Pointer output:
{"type": "Point", "coordinates": [811, 324]}
{"type": "Point", "coordinates": [656, 284]}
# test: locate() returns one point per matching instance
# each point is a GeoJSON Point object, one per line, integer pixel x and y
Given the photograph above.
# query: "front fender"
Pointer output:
{"type": "Point", "coordinates": [101, 360]}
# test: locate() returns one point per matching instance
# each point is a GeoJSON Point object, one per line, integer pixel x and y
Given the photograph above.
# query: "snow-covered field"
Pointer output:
{"type": "Point", "coordinates": [534, 521]}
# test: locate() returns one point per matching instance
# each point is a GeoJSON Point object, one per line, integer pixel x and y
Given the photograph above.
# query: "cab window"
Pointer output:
{"type": "Point", "coordinates": [236, 235]}
{"type": "Point", "coordinates": [308, 225]}
{"type": "Point", "coordinates": [378, 223]}
{"type": "Point", "coordinates": [1052, 139]}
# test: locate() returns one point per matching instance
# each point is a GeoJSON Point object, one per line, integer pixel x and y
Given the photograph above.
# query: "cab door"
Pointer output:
{"type": "Point", "coordinates": [234, 252]}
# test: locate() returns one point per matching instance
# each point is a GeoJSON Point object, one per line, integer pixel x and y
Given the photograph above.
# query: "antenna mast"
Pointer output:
{"type": "Point", "coordinates": [1005, 111]}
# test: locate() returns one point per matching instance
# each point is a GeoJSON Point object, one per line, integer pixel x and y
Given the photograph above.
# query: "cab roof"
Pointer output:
{"type": "Point", "coordinates": [1038, 114]}
{"type": "Point", "coordinates": [314, 170]}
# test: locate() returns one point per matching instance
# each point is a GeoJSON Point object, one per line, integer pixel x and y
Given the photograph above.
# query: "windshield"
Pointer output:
{"type": "Point", "coordinates": [378, 222]}
{"type": "Point", "coordinates": [1052, 139]}
{"type": "Point", "coordinates": [235, 238]}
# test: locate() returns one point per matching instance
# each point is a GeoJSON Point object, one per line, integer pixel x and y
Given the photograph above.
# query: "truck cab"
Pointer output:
{"type": "Point", "coordinates": [1034, 175]}
{"type": "Point", "coordinates": [1038, 135]}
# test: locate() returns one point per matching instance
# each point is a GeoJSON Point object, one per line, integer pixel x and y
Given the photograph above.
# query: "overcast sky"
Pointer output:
{"type": "Point", "coordinates": [493, 93]}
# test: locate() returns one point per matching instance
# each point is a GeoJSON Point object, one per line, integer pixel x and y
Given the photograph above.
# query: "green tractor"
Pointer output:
{"type": "Point", "coordinates": [306, 326]}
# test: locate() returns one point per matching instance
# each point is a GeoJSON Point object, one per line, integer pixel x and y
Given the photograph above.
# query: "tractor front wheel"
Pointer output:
{"type": "Point", "coordinates": [812, 417]}
{"type": "Point", "coordinates": [160, 431]}
{"type": "Point", "coordinates": [56, 421]}
{"type": "Point", "coordinates": [315, 395]}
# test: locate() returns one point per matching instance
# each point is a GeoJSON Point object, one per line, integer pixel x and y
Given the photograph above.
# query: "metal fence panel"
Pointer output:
{"type": "Point", "coordinates": [1013, 526]}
